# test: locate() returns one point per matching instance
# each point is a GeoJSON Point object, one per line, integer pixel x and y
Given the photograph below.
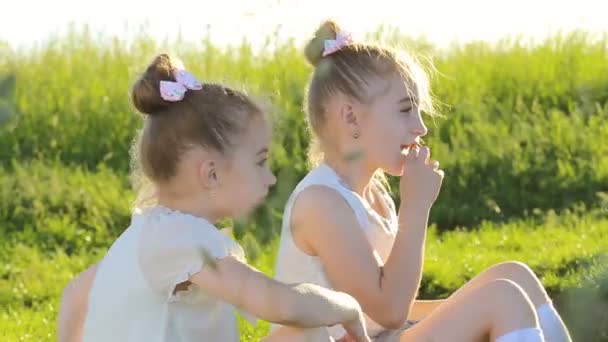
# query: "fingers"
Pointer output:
{"type": "Point", "coordinates": [412, 154]}
{"type": "Point", "coordinates": [418, 152]}
{"type": "Point", "coordinates": [421, 153]}
{"type": "Point", "coordinates": [424, 154]}
{"type": "Point", "coordinates": [434, 164]}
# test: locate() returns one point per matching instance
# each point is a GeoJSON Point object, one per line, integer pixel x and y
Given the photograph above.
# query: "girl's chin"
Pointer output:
{"type": "Point", "coordinates": [395, 170]}
{"type": "Point", "coordinates": [248, 211]}
{"type": "Point", "coordinates": [395, 173]}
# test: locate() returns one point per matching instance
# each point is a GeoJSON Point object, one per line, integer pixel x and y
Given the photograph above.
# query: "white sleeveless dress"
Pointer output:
{"type": "Point", "coordinates": [295, 266]}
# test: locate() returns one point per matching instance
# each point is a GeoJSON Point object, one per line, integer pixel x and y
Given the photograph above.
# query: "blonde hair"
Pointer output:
{"type": "Point", "coordinates": [347, 71]}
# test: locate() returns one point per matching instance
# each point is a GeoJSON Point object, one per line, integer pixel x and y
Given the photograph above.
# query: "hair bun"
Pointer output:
{"type": "Point", "coordinates": [314, 49]}
{"type": "Point", "coordinates": [146, 91]}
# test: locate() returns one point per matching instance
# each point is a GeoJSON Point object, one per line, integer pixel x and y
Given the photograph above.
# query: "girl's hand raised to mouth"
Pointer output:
{"type": "Point", "coordinates": [421, 179]}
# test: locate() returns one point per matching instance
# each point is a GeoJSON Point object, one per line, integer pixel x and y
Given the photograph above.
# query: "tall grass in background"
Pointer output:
{"type": "Point", "coordinates": [523, 127]}
{"type": "Point", "coordinates": [522, 139]}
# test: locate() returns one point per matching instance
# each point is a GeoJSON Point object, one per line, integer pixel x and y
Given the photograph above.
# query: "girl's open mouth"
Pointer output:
{"type": "Point", "coordinates": [405, 149]}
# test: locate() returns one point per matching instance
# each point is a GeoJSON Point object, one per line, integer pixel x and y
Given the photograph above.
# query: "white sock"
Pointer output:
{"type": "Point", "coordinates": [551, 324]}
{"type": "Point", "coordinates": [522, 335]}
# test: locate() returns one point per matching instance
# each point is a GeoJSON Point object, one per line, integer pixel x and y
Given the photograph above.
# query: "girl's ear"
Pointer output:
{"type": "Point", "coordinates": [349, 117]}
{"type": "Point", "coordinates": [208, 174]}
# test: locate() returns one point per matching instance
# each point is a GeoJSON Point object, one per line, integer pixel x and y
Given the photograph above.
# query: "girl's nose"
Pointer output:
{"type": "Point", "coordinates": [272, 179]}
{"type": "Point", "coordinates": [421, 131]}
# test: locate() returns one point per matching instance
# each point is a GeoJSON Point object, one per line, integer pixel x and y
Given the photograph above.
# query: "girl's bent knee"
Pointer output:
{"type": "Point", "coordinates": [517, 269]}
{"type": "Point", "coordinates": [512, 302]}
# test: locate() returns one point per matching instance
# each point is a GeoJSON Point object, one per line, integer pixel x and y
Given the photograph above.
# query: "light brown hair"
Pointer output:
{"type": "Point", "coordinates": [211, 117]}
{"type": "Point", "coordinates": [349, 70]}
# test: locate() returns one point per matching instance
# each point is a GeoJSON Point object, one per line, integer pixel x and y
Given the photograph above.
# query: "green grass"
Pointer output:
{"type": "Point", "coordinates": [522, 141]}
{"type": "Point", "coordinates": [567, 252]}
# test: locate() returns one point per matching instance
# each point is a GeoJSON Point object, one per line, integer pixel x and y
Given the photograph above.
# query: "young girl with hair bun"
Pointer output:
{"type": "Point", "coordinates": [171, 275]}
{"type": "Point", "coordinates": [341, 229]}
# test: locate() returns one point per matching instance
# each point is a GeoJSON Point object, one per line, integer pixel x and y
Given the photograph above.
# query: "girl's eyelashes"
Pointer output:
{"type": "Point", "coordinates": [262, 162]}
{"type": "Point", "coordinates": [407, 110]}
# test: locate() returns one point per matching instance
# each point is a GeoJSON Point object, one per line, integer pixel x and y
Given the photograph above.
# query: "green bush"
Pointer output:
{"type": "Point", "coordinates": [523, 125]}
{"type": "Point", "coordinates": [521, 139]}
{"type": "Point", "coordinates": [51, 206]}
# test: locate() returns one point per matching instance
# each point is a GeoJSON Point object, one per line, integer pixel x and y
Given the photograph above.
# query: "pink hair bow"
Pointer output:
{"type": "Point", "coordinates": [333, 45]}
{"type": "Point", "coordinates": [175, 91]}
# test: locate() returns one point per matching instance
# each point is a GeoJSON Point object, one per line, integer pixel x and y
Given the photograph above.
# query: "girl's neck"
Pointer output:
{"type": "Point", "coordinates": [356, 173]}
{"type": "Point", "coordinates": [191, 204]}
